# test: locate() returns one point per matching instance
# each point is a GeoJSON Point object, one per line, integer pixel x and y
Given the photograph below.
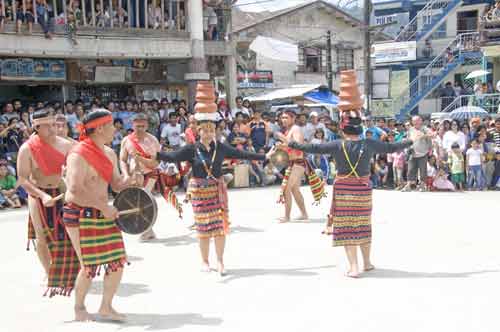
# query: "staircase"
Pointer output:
{"type": "Point", "coordinates": [464, 49]}
{"type": "Point", "coordinates": [428, 20]}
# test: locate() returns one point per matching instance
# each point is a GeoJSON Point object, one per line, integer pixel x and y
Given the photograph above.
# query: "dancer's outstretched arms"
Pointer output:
{"type": "Point", "coordinates": [186, 153]}
{"type": "Point", "coordinates": [231, 152]}
{"type": "Point", "coordinates": [325, 148]}
{"type": "Point", "coordinates": [383, 147]}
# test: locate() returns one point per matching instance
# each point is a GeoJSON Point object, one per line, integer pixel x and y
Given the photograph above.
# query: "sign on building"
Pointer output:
{"type": "Point", "coordinates": [397, 20]}
{"type": "Point", "coordinates": [32, 69]}
{"type": "Point", "coordinates": [255, 79]}
{"type": "Point", "coordinates": [394, 52]}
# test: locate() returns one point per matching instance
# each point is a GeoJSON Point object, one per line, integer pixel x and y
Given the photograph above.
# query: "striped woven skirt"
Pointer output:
{"type": "Point", "coordinates": [101, 241]}
{"type": "Point", "coordinates": [64, 263]}
{"type": "Point", "coordinates": [351, 211]}
{"type": "Point", "coordinates": [209, 200]}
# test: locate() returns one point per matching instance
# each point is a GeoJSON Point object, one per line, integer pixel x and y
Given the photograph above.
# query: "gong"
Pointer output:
{"type": "Point", "coordinates": [137, 210]}
{"type": "Point", "coordinates": [280, 159]}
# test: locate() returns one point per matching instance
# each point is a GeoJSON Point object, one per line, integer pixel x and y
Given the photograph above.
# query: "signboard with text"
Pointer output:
{"type": "Point", "coordinates": [255, 79]}
{"type": "Point", "coordinates": [394, 52]}
{"type": "Point", "coordinates": [32, 69]}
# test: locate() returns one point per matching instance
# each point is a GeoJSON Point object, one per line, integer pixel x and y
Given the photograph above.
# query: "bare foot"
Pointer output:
{"type": "Point", "coordinates": [221, 270]}
{"type": "Point", "coordinates": [81, 315]}
{"type": "Point", "coordinates": [205, 267]}
{"type": "Point", "coordinates": [352, 274]}
{"type": "Point", "coordinates": [111, 314]}
{"type": "Point", "coordinates": [283, 220]}
{"type": "Point", "coordinates": [369, 267]}
{"type": "Point", "coordinates": [148, 236]}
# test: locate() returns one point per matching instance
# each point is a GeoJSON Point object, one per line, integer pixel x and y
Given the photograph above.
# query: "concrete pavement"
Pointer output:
{"type": "Point", "coordinates": [436, 254]}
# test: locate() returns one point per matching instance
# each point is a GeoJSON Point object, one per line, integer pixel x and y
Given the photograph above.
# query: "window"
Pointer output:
{"type": "Point", "coordinates": [312, 59]}
{"type": "Point", "coordinates": [345, 59]}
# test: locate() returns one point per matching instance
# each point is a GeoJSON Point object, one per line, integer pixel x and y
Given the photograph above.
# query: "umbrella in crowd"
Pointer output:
{"type": "Point", "coordinates": [468, 112]}
{"type": "Point", "coordinates": [477, 73]}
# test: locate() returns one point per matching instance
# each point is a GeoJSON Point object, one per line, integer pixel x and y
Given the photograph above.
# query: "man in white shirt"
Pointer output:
{"type": "Point", "coordinates": [172, 132]}
{"type": "Point", "coordinates": [239, 108]}
{"type": "Point", "coordinates": [312, 126]}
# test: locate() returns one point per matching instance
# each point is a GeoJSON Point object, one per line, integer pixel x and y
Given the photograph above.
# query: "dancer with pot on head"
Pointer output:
{"type": "Point", "coordinates": [351, 209]}
{"type": "Point", "coordinates": [206, 189]}
{"type": "Point", "coordinates": [89, 219]}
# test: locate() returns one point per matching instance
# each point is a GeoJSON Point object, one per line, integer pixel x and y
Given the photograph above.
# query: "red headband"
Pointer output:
{"type": "Point", "coordinates": [92, 124]}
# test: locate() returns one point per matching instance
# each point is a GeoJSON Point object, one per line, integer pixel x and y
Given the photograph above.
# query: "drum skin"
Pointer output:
{"type": "Point", "coordinates": [136, 223]}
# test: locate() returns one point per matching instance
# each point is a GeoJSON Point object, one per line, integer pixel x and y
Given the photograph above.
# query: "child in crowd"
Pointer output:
{"type": "Point", "coordinates": [380, 173]}
{"type": "Point", "coordinates": [432, 171]}
{"type": "Point", "coordinates": [398, 166]}
{"type": "Point", "coordinates": [475, 160]}
{"type": "Point", "coordinates": [441, 181]}
{"type": "Point", "coordinates": [457, 166]}
{"type": "Point", "coordinates": [8, 188]}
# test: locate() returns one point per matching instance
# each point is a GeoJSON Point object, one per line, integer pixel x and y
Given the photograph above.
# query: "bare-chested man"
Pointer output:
{"type": "Point", "coordinates": [39, 167]}
{"type": "Point", "coordinates": [62, 129]}
{"type": "Point", "coordinates": [296, 168]}
{"type": "Point", "coordinates": [143, 143]}
{"type": "Point", "coordinates": [89, 218]}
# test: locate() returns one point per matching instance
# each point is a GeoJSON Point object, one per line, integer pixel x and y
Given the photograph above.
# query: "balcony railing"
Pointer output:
{"type": "Point", "coordinates": [164, 15]}
{"type": "Point", "coordinates": [489, 102]}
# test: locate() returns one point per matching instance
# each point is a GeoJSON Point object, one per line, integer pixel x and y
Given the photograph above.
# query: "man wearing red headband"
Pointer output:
{"type": "Point", "coordinates": [294, 173]}
{"type": "Point", "coordinates": [143, 143]}
{"type": "Point", "coordinates": [39, 167]}
{"type": "Point", "coordinates": [89, 218]}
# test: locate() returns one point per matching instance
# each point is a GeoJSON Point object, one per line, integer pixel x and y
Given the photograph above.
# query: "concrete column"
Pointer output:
{"type": "Point", "coordinates": [231, 80]}
{"type": "Point", "coordinates": [198, 64]}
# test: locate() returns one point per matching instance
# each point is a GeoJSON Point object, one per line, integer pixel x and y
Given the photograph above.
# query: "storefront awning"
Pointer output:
{"type": "Point", "coordinates": [322, 96]}
{"type": "Point", "coordinates": [293, 91]}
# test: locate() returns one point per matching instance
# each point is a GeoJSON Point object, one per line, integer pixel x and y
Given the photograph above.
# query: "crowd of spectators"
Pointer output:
{"type": "Point", "coordinates": [447, 155]}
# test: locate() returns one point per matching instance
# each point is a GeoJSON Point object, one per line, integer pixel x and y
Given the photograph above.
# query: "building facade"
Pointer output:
{"type": "Point", "coordinates": [433, 43]}
{"type": "Point", "coordinates": [111, 49]}
{"type": "Point", "coordinates": [304, 27]}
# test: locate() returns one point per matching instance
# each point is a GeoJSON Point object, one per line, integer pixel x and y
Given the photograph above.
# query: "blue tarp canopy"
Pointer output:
{"type": "Point", "coordinates": [322, 96]}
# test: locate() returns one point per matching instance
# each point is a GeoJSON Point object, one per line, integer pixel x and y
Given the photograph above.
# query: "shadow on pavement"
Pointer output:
{"type": "Point", "coordinates": [152, 322]}
{"type": "Point", "coordinates": [125, 289]}
{"type": "Point", "coordinates": [243, 229]}
{"type": "Point", "coordinates": [131, 258]}
{"type": "Point", "coordinates": [398, 274]}
{"type": "Point", "coordinates": [234, 274]}
{"type": "Point", "coordinates": [310, 221]}
{"type": "Point", "coordinates": [174, 241]}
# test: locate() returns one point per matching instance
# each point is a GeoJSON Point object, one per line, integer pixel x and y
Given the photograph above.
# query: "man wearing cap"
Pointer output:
{"type": "Point", "coordinates": [143, 143]}
{"type": "Point", "coordinates": [88, 217]}
{"type": "Point", "coordinates": [293, 176]}
{"type": "Point", "coordinates": [39, 167]}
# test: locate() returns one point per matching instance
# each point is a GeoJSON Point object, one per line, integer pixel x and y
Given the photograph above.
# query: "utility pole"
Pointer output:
{"type": "Point", "coordinates": [329, 69]}
{"type": "Point", "coordinates": [366, 54]}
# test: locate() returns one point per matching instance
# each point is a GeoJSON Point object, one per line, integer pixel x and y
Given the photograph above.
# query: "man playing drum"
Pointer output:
{"type": "Point", "coordinates": [39, 167]}
{"type": "Point", "coordinates": [143, 143]}
{"type": "Point", "coordinates": [296, 169]}
{"type": "Point", "coordinates": [89, 218]}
